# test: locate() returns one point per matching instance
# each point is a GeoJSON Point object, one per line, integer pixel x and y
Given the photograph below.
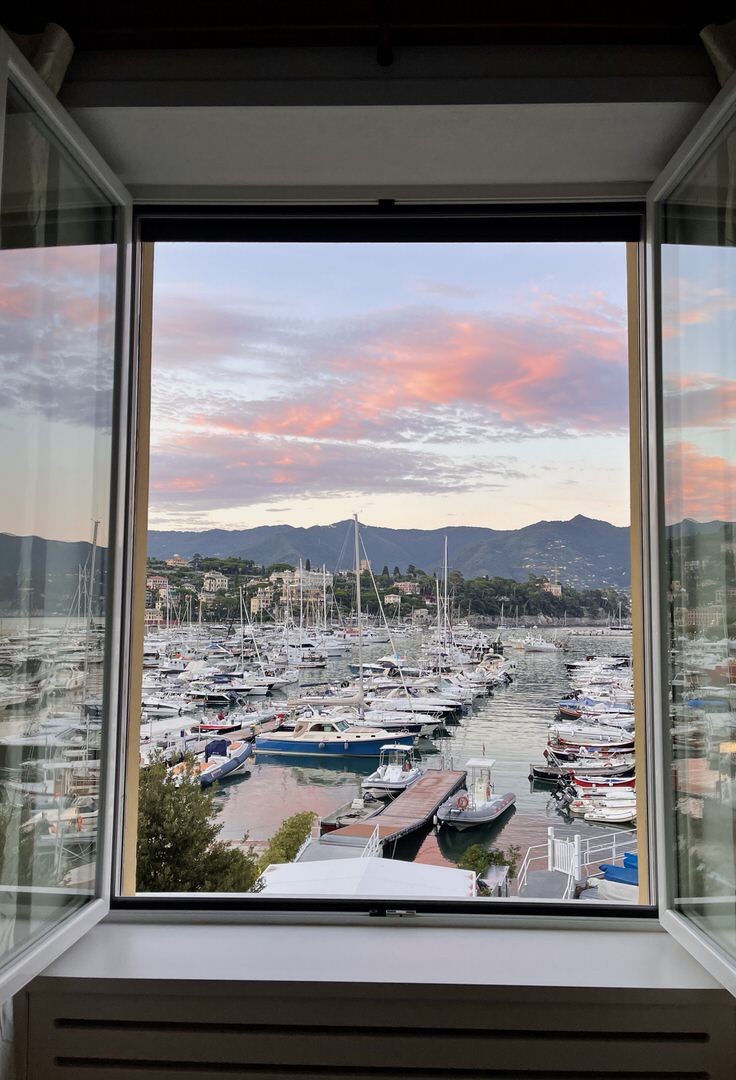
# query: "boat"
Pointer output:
{"type": "Point", "coordinates": [478, 805]}
{"type": "Point", "coordinates": [222, 757]}
{"type": "Point", "coordinates": [612, 815]}
{"type": "Point", "coordinates": [397, 770]}
{"type": "Point", "coordinates": [362, 808]}
{"type": "Point", "coordinates": [319, 735]}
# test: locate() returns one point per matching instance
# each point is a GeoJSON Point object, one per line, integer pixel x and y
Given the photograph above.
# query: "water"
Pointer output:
{"type": "Point", "coordinates": [510, 725]}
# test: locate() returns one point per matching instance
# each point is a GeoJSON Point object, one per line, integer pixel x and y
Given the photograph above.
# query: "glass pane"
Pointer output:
{"type": "Point", "coordinates": [57, 295]}
{"type": "Point", "coordinates": [699, 384]}
{"type": "Point", "coordinates": [462, 399]}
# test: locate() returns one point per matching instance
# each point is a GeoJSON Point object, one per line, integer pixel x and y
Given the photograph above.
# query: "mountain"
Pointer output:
{"type": "Point", "coordinates": [42, 576]}
{"type": "Point", "coordinates": [587, 553]}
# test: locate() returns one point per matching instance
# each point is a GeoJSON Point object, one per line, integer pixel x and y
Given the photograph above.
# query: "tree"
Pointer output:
{"type": "Point", "coordinates": [178, 849]}
{"type": "Point", "coordinates": [308, 564]}
{"type": "Point", "coordinates": [286, 841]}
{"type": "Point", "coordinates": [397, 573]}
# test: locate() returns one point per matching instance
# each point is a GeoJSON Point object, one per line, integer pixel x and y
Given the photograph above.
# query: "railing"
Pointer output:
{"type": "Point", "coordinates": [572, 855]}
{"type": "Point", "coordinates": [374, 846]}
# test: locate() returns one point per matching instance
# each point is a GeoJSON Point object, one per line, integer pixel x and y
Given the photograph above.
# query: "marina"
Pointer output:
{"type": "Point", "coordinates": [435, 704]}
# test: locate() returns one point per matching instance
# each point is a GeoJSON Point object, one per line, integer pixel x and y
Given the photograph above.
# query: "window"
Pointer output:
{"type": "Point", "coordinates": [708, 924]}
{"type": "Point", "coordinates": [443, 381]}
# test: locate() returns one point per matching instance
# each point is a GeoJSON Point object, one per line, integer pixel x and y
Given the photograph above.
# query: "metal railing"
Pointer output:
{"type": "Point", "coordinates": [572, 855]}
{"type": "Point", "coordinates": [374, 846]}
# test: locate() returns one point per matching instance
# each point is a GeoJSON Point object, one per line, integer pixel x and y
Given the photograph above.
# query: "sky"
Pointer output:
{"type": "Point", "coordinates": [56, 350]}
{"type": "Point", "coordinates": [418, 385]}
{"type": "Point", "coordinates": [699, 357]}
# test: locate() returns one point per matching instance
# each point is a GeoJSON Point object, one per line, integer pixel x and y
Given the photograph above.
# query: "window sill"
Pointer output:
{"type": "Point", "coordinates": [638, 955]}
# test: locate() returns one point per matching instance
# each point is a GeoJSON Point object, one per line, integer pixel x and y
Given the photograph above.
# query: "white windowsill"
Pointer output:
{"type": "Point", "coordinates": [637, 955]}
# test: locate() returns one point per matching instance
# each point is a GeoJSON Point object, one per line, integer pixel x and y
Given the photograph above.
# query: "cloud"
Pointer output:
{"type": "Point", "coordinates": [699, 399]}
{"type": "Point", "coordinates": [57, 333]}
{"type": "Point", "coordinates": [215, 471]}
{"type": "Point", "coordinates": [687, 302]}
{"type": "Point", "coordinates": [413, 372]}
{"type": "Point", "coordinates": [698, 485]}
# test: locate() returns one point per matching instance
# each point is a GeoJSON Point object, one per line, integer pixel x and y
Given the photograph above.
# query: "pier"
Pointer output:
{"type": "Point", "coordinates": [408, 812]}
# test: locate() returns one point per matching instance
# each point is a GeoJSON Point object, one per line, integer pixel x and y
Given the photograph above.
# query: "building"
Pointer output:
{"type": "Point", "coordinates": [407, 588]}
{"type": "Point", "coordinates": [177, 562]}
{"type": "Point", "coordinates": [553, 588]}
{"type": "Point", "coordinates": [214, 582]}
{"type": "Point", "coordinates": [309, 583]}
{"type": "Point", "coordinates": [157, 582]}
{"type": "Point", "coordinates": [261, 601]}
{"type": "Point", "coordinates": [530, 125]}
{"type": "Point", "coordinates": [392, 598]}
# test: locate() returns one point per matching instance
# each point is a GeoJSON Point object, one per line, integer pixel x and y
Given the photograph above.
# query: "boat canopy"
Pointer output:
{"type": "Point", "coordinates": [480, 763]}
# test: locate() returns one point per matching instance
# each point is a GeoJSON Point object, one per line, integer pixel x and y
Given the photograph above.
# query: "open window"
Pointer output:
{"type": "Point", "coordinates": [63, 274]}
{"type": "Point", "coordinates": [63, 213]}
{"type": "Point", "coordinates": [452, 378]}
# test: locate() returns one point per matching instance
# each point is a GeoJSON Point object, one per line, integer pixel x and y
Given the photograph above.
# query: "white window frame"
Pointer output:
{"type": "Point", "coordinates": [40, 952]}
{"type": "Point", "coordinates": [698, 142]}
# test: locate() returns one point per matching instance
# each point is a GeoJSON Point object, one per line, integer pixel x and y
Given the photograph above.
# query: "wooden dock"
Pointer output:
{"type": "Point", "coordinates": [410, 810]}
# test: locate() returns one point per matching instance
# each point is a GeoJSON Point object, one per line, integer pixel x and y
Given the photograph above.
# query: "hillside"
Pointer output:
{"type": "Point", "coordinates": [588, 553]}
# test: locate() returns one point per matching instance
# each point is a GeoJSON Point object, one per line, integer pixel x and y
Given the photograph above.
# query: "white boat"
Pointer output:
{"type": "Point", "coordinates": [479, 804]}
{"type": "Point", "coordinates": [610, 815]}
{"type": "Point", "coordinates": [397, 769]}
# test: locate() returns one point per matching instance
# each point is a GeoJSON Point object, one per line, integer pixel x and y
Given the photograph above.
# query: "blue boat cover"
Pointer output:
{"type": "Point", "coordinates": [625, 875]}
{"type": "Point", "coordinates": [630, 859]}
{"type": "Point", "coordinates": [216, 746]}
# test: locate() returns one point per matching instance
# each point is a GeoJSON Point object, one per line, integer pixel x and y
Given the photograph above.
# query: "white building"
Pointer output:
{"type": "Point", "coordinates": [214, 582]}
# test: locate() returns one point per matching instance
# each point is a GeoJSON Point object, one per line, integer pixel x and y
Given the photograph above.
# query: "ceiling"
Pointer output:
{"type": "Point", "coordinates": [383, 99]}
{"type": "Point", "coordinates": [385, 24]}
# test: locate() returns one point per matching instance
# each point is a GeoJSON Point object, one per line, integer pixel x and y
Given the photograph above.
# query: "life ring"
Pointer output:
{"type": "Point", "coordinates": [463, 802]}
{"type": "Point", "coordinates": [344, 683]}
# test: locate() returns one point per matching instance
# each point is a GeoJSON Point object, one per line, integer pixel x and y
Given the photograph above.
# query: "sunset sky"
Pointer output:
{"type": "Point", "coordinates": [419, 385]}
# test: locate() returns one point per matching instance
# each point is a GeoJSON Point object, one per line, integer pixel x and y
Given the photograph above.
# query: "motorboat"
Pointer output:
{"type": "Point", "coordinates": [397, 770]}
{"type": "Point", "coordinates": [320, 735]}
{"type": "Point", "coordinates": [478, 805]}
{"type": "Point", "coordinates": [222, 758]}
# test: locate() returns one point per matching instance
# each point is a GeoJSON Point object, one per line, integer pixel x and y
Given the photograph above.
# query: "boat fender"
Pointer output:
{"type": "Point", "coordinates": [346, 745]}
{"type": "Point", "coordinates": [463, 802]}
{"type": "Point", "coordinates": [321, 746]}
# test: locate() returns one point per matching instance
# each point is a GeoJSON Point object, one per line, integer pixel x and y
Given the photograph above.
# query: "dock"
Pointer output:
{"type": "Point", "coordinates": [409, 811]}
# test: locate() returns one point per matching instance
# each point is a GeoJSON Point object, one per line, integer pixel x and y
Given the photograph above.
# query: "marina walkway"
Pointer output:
{"type": "Point", "coordinates": [410, 810]}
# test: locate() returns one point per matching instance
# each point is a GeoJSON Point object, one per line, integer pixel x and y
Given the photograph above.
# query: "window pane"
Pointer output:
{"type": "Point", "coordinates": [699, 380]}
{"type": "Point", "coordinates": [57, 293]}
{"type": "Point", "coordinates": [469, 401]}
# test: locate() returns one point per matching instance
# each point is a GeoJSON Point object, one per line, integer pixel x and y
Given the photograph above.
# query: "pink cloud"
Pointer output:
{"type": "Point", "coordinates": [698, 485]}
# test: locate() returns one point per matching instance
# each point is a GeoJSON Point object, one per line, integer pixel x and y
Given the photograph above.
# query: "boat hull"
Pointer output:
{"type": "Point", "coordinates": [343, 748]}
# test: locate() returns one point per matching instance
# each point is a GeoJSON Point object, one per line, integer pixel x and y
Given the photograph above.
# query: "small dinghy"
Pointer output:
{"type": "Point", "coordinates": [478, 805]}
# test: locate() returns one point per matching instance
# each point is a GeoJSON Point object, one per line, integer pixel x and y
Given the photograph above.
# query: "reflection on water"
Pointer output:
{"type": "Point", "coordinates": [510, 726]}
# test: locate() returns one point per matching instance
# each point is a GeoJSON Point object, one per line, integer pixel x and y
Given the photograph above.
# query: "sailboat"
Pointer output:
{"type": "Point", "coordinates": [328, 735]}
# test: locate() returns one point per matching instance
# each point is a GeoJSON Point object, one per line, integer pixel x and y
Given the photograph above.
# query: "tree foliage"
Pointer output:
{"type": "Point", "coordinates": [478, 858]}
{"type": "Point", "coordinates": [178, 849]}
{"type": "Point", "coordinates": [287, 840]}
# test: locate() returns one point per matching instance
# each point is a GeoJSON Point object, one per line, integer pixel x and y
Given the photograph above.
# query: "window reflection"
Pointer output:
{"type": "Point", "coordinates": [57, 296]}
{"type": "Point", "coordinates": [699, 387]}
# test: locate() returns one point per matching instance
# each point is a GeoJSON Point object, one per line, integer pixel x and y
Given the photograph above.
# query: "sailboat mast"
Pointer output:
{"type": "Point", "coordinates": [447, 617]}
{"type": "Point", "coordinates": [358, 610]}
